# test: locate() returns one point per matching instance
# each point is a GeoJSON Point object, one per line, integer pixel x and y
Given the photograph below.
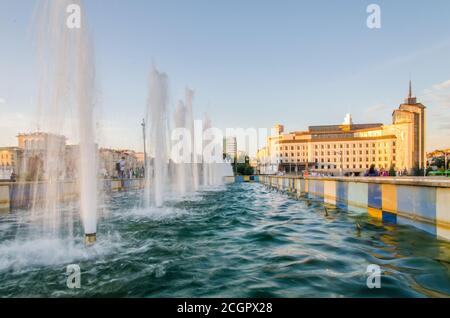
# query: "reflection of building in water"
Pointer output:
{"type": "Point", "coordinates": [349, 147]}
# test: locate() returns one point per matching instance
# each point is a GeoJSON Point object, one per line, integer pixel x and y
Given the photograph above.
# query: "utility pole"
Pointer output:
{"type": "Point", "coordinates": [145, 149]}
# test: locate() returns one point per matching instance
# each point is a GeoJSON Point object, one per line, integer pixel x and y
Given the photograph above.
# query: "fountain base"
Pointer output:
{"type": "Point", "coordinates": [90, 239]}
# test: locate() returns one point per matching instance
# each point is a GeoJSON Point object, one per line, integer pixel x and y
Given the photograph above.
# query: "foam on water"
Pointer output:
{"type": "Point", "coordinates": [23, 255]}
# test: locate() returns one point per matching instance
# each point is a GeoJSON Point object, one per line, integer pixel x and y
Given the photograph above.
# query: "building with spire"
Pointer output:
{"type": "Point", "coordinates": [351, 148]}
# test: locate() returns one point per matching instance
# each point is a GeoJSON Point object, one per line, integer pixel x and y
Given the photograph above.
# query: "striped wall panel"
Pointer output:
{"type": "Point", "coordinates": [418, 204]}
{"type": "Point", "coordinates": [298, 186]}
{"type": "Point", "coordinates": [315, 189]}
{"type": "Point", "coordinates": [357, 197]}
{"type": "Point", "coordinates": [374, 200]}
{"type": "Point", "coordinates": [443, 212]}
{"type": "Point", "coordinates": [341, 194]}
{"type": "Point", "coordinates": [424, 207]}
{"type": "Point", "coordinates": [330, 192]}
{"type": "Point", "coordinates": [4, 198]}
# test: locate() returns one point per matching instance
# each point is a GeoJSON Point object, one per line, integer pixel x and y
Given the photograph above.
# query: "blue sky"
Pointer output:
{"type": "Point", "coordinates": [252, 63]}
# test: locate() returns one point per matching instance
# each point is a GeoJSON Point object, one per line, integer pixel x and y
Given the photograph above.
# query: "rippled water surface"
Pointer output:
{"type": "Point", "coordinates": [240, 240]}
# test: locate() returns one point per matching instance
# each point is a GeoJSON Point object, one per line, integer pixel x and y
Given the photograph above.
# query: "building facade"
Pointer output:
{"type": "Point", "coordinates": [43, 155]}
{"type": "Point", "coordinates": [350, 148]}
{"type": "Point", "coordinates": [230, 147]}
{"type": "Point", "coordinates": [10, 159]}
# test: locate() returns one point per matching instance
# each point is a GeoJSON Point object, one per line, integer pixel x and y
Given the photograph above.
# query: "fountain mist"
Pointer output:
{"type": "Point", "coordinates": [157, 139]}
{"type": "Point", "coordinates": [66, 83]}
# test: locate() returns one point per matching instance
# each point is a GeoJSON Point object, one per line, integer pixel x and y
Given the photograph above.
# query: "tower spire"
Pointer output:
{"type": "Point", "coordinates": [410, 99]}
{"type": "Point", "coordinates": [410, 89]}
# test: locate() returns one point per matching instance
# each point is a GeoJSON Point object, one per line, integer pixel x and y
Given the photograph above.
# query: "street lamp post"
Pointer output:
{"type": "Point", "coordinates": [446, 164]}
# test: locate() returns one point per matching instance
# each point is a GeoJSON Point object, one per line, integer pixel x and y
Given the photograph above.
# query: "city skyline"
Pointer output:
{"type": "Point", "coordinates": [315, 64]}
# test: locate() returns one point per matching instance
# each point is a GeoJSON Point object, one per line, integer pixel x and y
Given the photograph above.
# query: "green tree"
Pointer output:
{"type": "Point", "coordinates": [244, 169]}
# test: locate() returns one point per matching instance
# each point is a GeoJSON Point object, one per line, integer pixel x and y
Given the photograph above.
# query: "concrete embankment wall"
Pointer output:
{"type": "Point", "coordinates": [24, 194]}
{"type": "Point", "coordinates": [421, 202]}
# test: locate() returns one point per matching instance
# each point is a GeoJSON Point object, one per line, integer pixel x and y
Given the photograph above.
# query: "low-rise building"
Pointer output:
{"type": "Point", "coordinates": [43, 155]}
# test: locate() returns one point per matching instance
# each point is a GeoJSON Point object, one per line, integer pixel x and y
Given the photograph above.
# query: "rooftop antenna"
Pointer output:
{"type": "Point", "coordinates": [411, 100]}
{"type": "Point", "coordinates": [410, 86]}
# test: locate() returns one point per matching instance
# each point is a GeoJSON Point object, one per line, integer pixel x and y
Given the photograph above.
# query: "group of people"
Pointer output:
{"type": "Point", "coordinates": [373, 172]}
{"type": "Point", "coordinates": [123, 172]}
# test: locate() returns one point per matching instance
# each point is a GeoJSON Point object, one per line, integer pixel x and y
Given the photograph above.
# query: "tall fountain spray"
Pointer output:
{"type": "Point", "coordinates": [189, 97]}
{"type": "Point", "coordinates": [157, 139]}
{"type": "Point", "coordinates": [174, 169]}
{"type": "Point", "coordinates": [206, 165]}
{"type": "Point", "coordinates": [66, 100]}
{"type": "Point", "coordinates": [88, 149]}
{"type": "Point", "coordinates": [182, 173]}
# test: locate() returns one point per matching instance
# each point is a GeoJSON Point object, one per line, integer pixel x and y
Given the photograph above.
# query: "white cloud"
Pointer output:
{"type": "Point", "coordinates": [438, 96]}
{"type": "Point", "coordinates": [2, 101]}
{"type": "Point", "coordinates": [437, 100]}
{"type": "Point", "coordinates": [443, 85]}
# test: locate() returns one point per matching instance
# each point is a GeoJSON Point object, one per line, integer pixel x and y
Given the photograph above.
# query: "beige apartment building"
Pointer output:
{"type": "Point", "coordinates": [350, 148]}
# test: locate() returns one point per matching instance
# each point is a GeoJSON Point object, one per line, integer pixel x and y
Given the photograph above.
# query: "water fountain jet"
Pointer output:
{"type": "Point", "coordinates": [90, 239]}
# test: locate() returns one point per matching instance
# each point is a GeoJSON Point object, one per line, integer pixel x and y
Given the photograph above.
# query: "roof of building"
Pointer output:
{"type": "Point", "coordinates": [40, 134]}
{"type": "Point", "coordinates": [339, 128]}
{"type": "Point", "coordinates": [10, 148]}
